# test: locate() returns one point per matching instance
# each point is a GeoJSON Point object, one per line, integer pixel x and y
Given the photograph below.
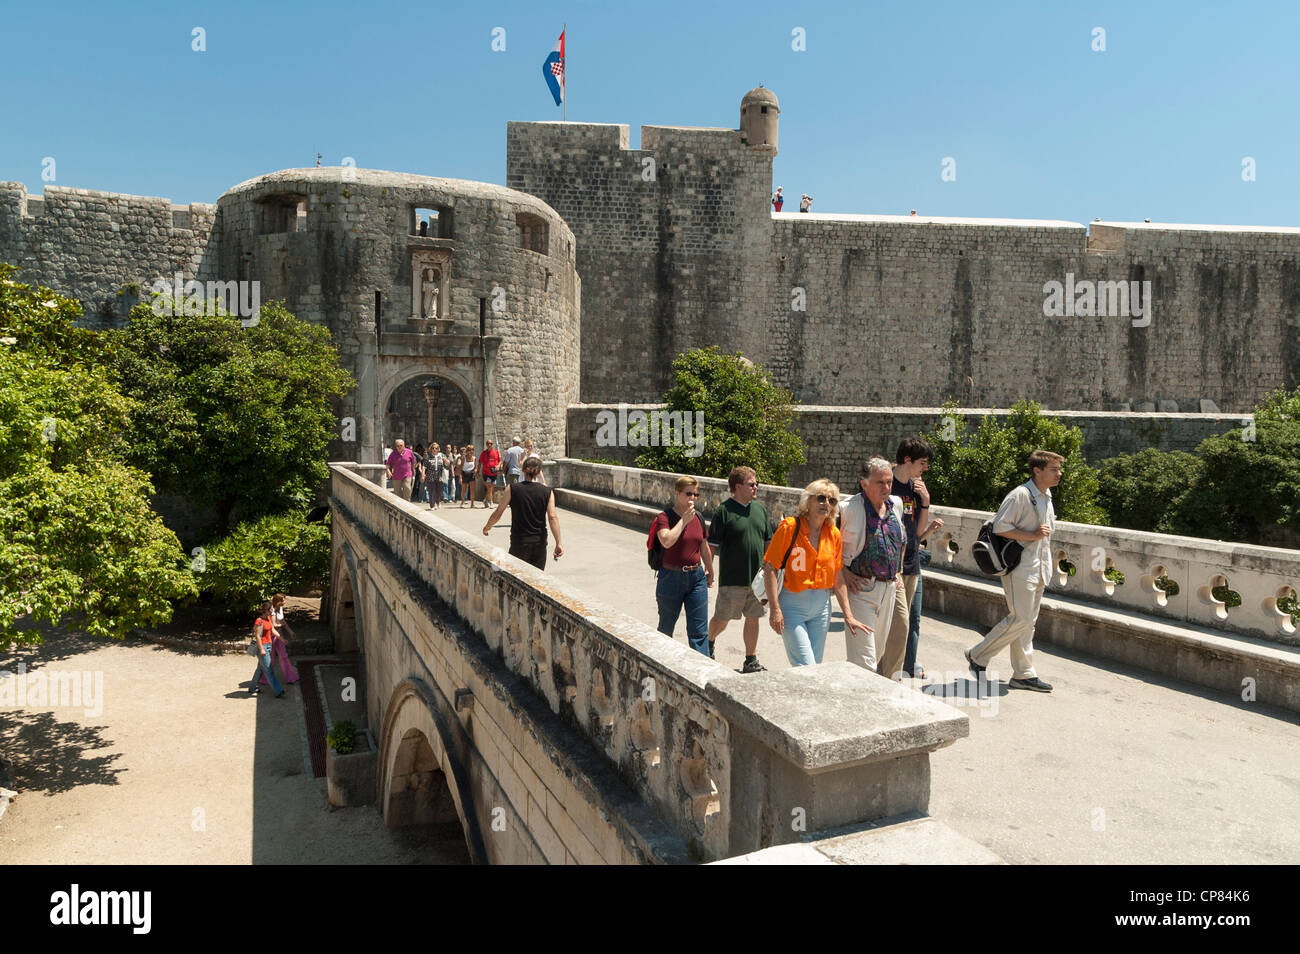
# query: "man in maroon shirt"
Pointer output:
{"type": "Point", "coordinates": [399, 466]}
{"type": "Point", "coordinates": [687, 570]}
{"type": "Point", "coordinates": [489, 465]}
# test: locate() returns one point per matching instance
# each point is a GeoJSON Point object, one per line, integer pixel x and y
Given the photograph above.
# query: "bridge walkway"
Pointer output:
{"type": "Point", "coordinates": [1117, 766]}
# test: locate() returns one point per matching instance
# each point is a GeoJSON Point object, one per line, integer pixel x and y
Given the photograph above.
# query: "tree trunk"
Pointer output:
{"type": "Point", "coordinates": [223, 515]}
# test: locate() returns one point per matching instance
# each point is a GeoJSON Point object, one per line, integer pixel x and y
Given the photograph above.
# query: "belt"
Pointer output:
{"type": "Point", "coordinates": [883, 579]}
{"type": "Point", "coordinates": [683, 569]}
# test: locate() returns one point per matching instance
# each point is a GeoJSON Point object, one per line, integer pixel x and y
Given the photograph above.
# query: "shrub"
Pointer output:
{"type": "Point", "coordinates": [1140, 490]}
{"type": "Point", "coordinates": [274, 554]}
{"type": "Point", "coordinates": [746, 419]}
{"type": "Point", "coordinates": [342, 736]}
{"type": "Point", "coordinates": [1248, 487]}
{"type": "Point", "coordinates": [979, 469]}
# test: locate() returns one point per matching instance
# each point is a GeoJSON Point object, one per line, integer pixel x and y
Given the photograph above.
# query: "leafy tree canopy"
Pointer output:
{"type": "Point", "coordinates": [746, 419]}
{"type": "Point", "coordinates": [978, 468]}
{"type": "Point", "coordinates": [226, 414]}
{"type": "Point", "coordinates": [78, 541]}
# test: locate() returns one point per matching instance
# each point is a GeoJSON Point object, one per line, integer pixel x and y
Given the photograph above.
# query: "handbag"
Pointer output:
{"type": "Point", "coordinates": [251, 648]}
{"type": "Point", "coordinates": [758, 583]}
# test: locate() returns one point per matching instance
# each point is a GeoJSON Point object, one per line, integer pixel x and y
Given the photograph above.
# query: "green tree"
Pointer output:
{"type": "Point", "coordinates": [228, 415]}
{"type": "Point", "coordinates": [1249, 487]}
{"type": "Point", "coordinates": [273, 554]}
{"type": "Point", "coordinates": [1140, 491]}
{"type": "Point", "coordinates": [78, 542]}
{"type": "Point", "coordinates": [977, 468]}
{"type": "Point", "coordinates": [746, 419]}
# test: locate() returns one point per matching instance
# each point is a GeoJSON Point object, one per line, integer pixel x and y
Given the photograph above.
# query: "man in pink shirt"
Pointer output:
{"type": "Point", "coordinates": [399, 466]}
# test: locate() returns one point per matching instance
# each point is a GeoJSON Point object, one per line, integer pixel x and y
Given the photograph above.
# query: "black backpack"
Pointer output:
{"type": "Point", "coordinates": [655, 555]}
{"type": "Point", "coordinates": [995, 555]}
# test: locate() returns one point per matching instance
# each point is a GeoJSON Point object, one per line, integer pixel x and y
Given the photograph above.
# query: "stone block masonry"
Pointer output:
{"type": "Point", "coordinates": [89, 245]}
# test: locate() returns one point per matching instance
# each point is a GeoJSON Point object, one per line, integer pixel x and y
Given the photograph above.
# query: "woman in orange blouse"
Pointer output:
{"type": "Point", "coordinates": [801, 612]}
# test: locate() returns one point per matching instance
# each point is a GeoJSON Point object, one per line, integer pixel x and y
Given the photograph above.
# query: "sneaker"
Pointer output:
{"type": "Point", "coordinates": [918, 671]}
{"type": "Point", "coordinates": [977, 670]}
{"type": "Point", "coordinates": [753, 665]}
{"type": "Point", "coordinates": [1036, 684]}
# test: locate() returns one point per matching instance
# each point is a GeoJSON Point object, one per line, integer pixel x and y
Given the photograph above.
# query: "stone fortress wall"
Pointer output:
{"type": "Point", "coordinates": [88, 245]}
{"type": "Point", "coordinates": [897, 310]}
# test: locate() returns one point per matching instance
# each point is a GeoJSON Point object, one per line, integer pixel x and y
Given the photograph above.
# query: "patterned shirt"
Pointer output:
{"type": "Point", "coordinates": [882, 557]}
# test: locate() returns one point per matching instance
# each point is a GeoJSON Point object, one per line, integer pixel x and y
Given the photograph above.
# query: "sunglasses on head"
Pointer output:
{"type": "Point", "coordinates": [833, 501]}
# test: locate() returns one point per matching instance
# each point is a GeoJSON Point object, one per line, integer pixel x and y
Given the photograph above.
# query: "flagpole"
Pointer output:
{"type": "Point", "coordinates": [565, 102]}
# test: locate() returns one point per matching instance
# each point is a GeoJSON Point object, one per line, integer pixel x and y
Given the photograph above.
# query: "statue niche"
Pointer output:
{"type": "Point", "coordinates": [430, 278]}
{"type": "Point", "coordinates": [429, 302]}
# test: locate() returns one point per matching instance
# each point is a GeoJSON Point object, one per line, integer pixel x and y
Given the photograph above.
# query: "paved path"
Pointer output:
{"type": "Point", "coordinates": [1117, 766]}
{"type": "Point", "coordinates": [180, 766]}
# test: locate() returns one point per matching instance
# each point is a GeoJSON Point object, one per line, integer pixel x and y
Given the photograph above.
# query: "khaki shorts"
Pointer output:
{"type": "Point", "coordinates": [736, 601]}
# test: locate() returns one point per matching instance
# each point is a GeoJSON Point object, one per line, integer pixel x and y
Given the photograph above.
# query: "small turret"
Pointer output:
{"type": "Point", "coordinates": [759, 112]}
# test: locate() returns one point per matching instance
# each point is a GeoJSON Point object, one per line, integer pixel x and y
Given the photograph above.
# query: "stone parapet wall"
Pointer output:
{"type": "Point", "coordinates": [89, 245]}
{"type": "Point", "coordinates": [1261, 575]}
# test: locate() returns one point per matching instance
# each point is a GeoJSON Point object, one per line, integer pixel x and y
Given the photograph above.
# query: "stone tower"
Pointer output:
{"type": "Point", "coordinates": [759, 114]}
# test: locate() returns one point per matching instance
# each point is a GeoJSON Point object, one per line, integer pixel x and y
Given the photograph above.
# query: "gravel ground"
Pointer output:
{"type": "Point", "coordinates": [173, 762]}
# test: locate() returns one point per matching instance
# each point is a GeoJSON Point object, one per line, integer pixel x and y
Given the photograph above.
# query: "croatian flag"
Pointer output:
{"type": "Point", "coordinates": [553, 70]}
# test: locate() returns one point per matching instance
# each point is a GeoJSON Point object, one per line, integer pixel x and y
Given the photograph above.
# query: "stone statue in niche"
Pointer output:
{"type": "Point", "coordinates": [429, 293]}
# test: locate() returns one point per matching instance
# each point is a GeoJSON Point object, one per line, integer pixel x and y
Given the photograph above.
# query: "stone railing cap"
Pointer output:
{"type": "Point", "coordinates": [835, 714]}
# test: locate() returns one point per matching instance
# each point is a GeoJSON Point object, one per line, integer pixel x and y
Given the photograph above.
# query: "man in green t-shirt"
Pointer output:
{"type": "Point", "coordinates": [739, 535]}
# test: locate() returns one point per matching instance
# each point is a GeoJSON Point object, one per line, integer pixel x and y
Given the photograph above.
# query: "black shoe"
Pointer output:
{"type": "Point", "coordinates": [711, 642]}
{"type": "Point", "coordinates": [280, 694]}
{"type": "Point", "coordinates": [753, 665]}
{"type": "Point", "coordinates": [1036, 684]}
{"type": "Point", "coordinates": [253, 691]}
{"type": "Point", "coordinates": [977, 670]}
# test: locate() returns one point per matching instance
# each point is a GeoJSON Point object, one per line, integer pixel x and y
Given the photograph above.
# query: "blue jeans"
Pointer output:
{"type": "Point", "coordinates": [676, 589]}
{"type": "Point", "coordinates": [914, 628]}
{"type": "Point", "coordinates": [807, 617]}
{"type": "Point", "coordinates": [264, 668]}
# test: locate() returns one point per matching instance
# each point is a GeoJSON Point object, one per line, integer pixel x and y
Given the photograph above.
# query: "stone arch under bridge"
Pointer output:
{"type": "Point", "coordinates": [423, 778]}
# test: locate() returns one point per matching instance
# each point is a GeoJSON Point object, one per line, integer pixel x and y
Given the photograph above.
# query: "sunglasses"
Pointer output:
{"type": "Point", "coordinates": [833, 501]}
{"type": "Point", "coordinates": [690, 494]}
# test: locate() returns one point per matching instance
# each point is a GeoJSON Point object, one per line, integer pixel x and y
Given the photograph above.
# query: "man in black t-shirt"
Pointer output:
{"type": "Point", "coordinates": [913, 460]}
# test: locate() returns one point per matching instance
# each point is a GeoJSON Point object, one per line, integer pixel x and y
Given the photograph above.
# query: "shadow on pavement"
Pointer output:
{"type": "Point", "coordinates": [50, 756]}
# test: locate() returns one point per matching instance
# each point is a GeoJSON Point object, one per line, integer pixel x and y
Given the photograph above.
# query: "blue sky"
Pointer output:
{"type": "Point", "coordinates": [1040, 125]}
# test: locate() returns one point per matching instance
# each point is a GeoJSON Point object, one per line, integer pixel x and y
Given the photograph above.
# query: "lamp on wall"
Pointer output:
{"type": "Point", "coordinates": [432, 391]}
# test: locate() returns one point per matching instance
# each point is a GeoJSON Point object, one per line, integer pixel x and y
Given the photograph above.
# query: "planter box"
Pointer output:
{"type": "Point", "coordinates": [352, 778]}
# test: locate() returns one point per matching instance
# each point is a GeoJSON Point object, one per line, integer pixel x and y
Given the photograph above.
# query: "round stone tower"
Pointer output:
{"type": "Point", "coordinates": [759, 112]}
{"type": "Point", "coordinates": [455, 304]}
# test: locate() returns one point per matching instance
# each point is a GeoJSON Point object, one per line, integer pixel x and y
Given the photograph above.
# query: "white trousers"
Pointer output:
{"type": "Point", "coordinates": [881, 608]}
{"type": "Point", "coordinates": [1024, 593]}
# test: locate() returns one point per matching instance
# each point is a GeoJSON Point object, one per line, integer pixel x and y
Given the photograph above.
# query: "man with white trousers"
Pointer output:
{"type": "Point", "coordinates": [875, 540]}
{"type": "Point", "coordinates": [1028, 517]}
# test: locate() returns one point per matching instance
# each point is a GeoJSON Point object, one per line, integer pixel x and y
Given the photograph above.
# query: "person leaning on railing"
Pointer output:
{"type": "Point", "coordinates": [809, 548]}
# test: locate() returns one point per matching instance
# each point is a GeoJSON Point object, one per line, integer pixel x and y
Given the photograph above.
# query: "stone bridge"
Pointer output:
{"type": "Point", "coordinates": [556, 729]}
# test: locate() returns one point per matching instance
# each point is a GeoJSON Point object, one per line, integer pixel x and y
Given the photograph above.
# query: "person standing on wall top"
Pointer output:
{"type": "Point", "coordinates": [399, 465]}
{"type": "Point", "coordinates": [805, 202]}
{"type": "Point", "coordinates": [875, 541]}
{"type": "Point", "coordinates": [809, 549]}
{"type": "Point", "coordinates": [687, 571]}
{"type": "Point", "coordinates": [532, 507]}
{"type": "Point", "coordinates": [489, 463]}
{"type": "Point", "coordinates": [1028, 517]}
{"type": "Point", "coordinates": [738, 535]}
{"type": "Point", "coordinates": [778, 200]}
{"type": "Point", "coordinates": [514, 462]}
{"type": "Point", "coordinates": [911, 461]}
